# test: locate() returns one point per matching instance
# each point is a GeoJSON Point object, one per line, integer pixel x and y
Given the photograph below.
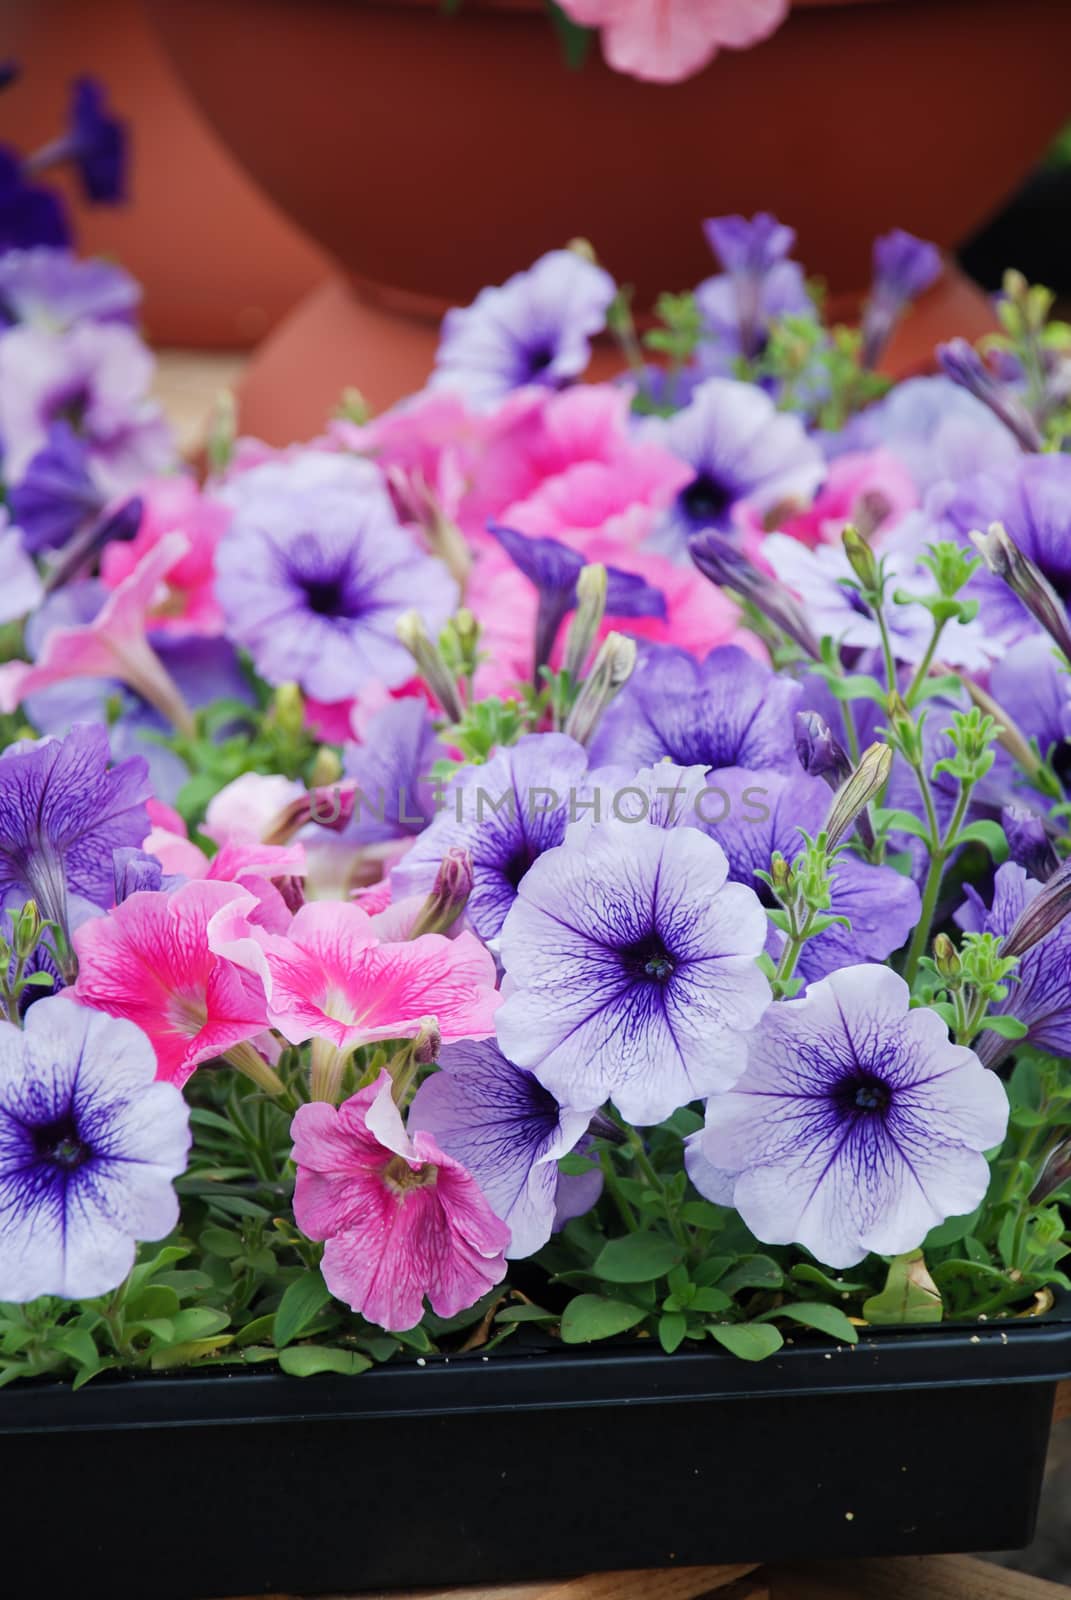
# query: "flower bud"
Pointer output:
{"type": "Point", "coordinates": [946, 958]}
{"type": "Point", "coordinates": [719, 560]}
{"type": "Point", "coordinates": [590, 610]}
{"type": "Point", "coordinates": [861, 559]}
{"type": "Point", "coordinates": [413, 635]}
{"type": "Point", "coordinates": [1028, 842]}
{"type": "Point", "coordinates": [610, 671]}
{"type": "Point", "coordinates": [1044, 913]}
{"type": "Point", "coordinates": [326, 767]}
{"type": "Point", "coordinates": [427, 1043]}
{"type": "Point", "coordinates": [780, 874]}
{"type": "Point", "coordinates": [449, 895]}
{"type": "Point", "coordinates": [962, 363]}
{"type": "Point", "coordinates": [27, 930]}
{"type": "Point", "coordinates": [288, 708]}
{"type": "Point", "coordinates": [1004, 558]}
{"type": "Point", "coordinates": [820, 754]}
{"type": "Point", "coordinates": [852, 799]}
{"type": "Point", "coordinates": [330, 806]}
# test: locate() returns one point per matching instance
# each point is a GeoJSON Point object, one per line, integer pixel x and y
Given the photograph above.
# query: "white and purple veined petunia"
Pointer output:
{"type": "Point", "coordinates": [631, 970]}
{"type": "Point", "coordinates": [858, 1126]}
{"type": "Point", "coordinates": [506, 1130]}
{"type": "Point", "coordinates": [89, 1145]}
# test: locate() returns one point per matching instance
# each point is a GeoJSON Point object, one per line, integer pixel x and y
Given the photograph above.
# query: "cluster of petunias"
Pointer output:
{"type": "Point", "coordinates": [554, 799]}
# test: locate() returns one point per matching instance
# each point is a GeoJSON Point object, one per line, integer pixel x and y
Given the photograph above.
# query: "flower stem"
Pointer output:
{"type": "Point", "coordinates": [325, 1078]}
{"type": "Point", "coordinates": [628, 1216]}
{"type": "Point", "coordinates": [940, 850]}
{"type": "Point", "coordinates": [252, 1063]}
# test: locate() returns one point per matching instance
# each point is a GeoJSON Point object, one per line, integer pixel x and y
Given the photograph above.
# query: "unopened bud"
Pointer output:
{"type": "Point", "coordinates": [584, 249]}
{"type": "Point", "coordinates": [610, 671]}
{"type": "Point", "coordinates": [719, 560]}
{"type": "Point", "coordinates": [820, 754]}
{"type": "Point", "coordinates": [864, 785]}
{"type": "Point", "coordinates": [330, 806]}
{"type": "Point", "coordinates": [904, 729]}
{"type": "Point", "coordinates": [413, 635]}
{"type": "Point", "coordinates": [861, 559]}
{"type": "Point", "coordinates": [1044, 913]}
{"type": "Point", "coordinates": [326, 767]}
{"type": "Point", "coordinates": [288, 708]}
{"type": "Point", "coordinates": [1029, 844]}
{"type": "Point", "coordinates": [27, 930]}
{"type": "Point", "coordinates": [449, 895]}
{"type": "Point", "coordinates": [1026, 580]}
{"type": "Point", "coordinates": [962, 363]}
{"type": "Point", "coordinates": [427, 1043]}
{"type": "Point", "coordinates": [590, 610]}
{"type": "Point", "coordinates": [946, 958]}
{"type": "Point", "coordinates": [780, 873]}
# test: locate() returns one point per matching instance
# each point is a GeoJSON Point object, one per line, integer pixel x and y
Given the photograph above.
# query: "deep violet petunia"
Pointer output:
{"type": "Point", "coordinates": [740, 447]}
{"type": "Point", "coordinates": [56, 494]}
{"type": "Point", "coordinates": [904, 267]}
{"type": "Point", "coordinates": [89, 1145]}
{"type": "Point", "coordinates": [758, 283]}
{"type": "Point", "coordinates": [631, 970]}
{"type": "Point", "coordinates": [535, 328]}
{"type": "Point", "coordinates": [505, 813]}
{"type": "Point", "coordinates": [1039, 990]}
{"type": "Point", "coordinates": [30, 214]}
{"type": "Point", "coordinates": [392, 769]}
{"type": "Point", "coordinates": [726, 711]}
{"type": "Point", "coordinates": [400, 1218]}
{"type": "Point", "coordinates": [62, 813]}
{"type": "Point", "coordinates": [857, 1125]}
{"type": "Point", "coordinates": [506, 1129]}
{"type": "Point", "coordinates": [315, 571]}
{"type": "Point", "coordinates": [95, 144]}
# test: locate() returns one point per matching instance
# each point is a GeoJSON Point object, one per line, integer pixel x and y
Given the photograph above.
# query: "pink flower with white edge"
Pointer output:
{"type": "Point", "coordinates": [870, 489]}
{"type": "Point", "coordinates": [243, 811]}
{"type": "Point", "coordinates": [149, 960]}
{"type": "Point", "coordinates": [332, 977]}
{"type": "Point", "coordinates": [663, 41]}
{"type": "Point", "coordinates": [401, 1219]}
{"type": "Point", "coordinates": [113, 645]}
{"type": "Point", "coordinates": [172, 505]}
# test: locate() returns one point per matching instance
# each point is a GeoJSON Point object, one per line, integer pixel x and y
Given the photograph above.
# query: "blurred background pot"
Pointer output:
{"type": "Point", "coordinates": [432, 154]}
{"type": "Point", "coordinates": [219, 261]}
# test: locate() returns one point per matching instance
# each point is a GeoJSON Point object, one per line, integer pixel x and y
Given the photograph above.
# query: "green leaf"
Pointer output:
{"type": "Point", "coordinates": [253, 1332]}
{"type": "Point", "coordinates": [900, 822]}
{"type": "Point", "coordinates": [305, 1360]}
{"type": "Point", "coordinates": [951, 1231]}
{"type": "Point", "coordinates": [181, 1355]}
{"type": "Point", "coordinates": [220, 1242]}
{"type": "Point", "coordinates": [526, 1314]}
{"type": "Point", "coordinates": [672, 1327]}
{"type": "Point", "coordinates": [752, 1272]}
{"type": "Point", "coordinates": [575, 40]}
{"type": "Point", "coordinates": [299, 1305]}
{"type": "Point", "coordinates": [197, 1322]}
{"type": "Point", "coordinates": [909, 1295]}
{"type": "Point", "coordinates": [591, 1317]}
{"type": "Point", "coordinates": [750, 1341]}
{"type": "Point", "coordinates": [574, 1165]}
{"type": "Point", "coordinates": [79, 1345]}
{"type": "Point", "coordinates": [991, 834]}
{"type": "Point", "coordinates": [1007, 1027]}
{"type": "Point", "coordinates": [805, 1272]}
{"type": "Point", "coordinates": [857, 687]}
{"type": "Point", "coordinates": [826, 1318]}
{"type": "Point", "coordinates": [701, 1214]}
{"type": "Point", "coordinates": [156, 1301]}
{"type": "Point", "coordinates": [637, 1258]}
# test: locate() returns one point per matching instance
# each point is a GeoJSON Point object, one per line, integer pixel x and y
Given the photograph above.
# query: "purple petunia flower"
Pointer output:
{"type": "Point", "coordinates": [554, 569]}
{"type": "Point", "coordinates": [726, 711]}
{"type": "Point", "coordinates": [62, 813]}
{"type": "Point", "coordinates": [56, 495]}
{"type": "Point", "coordinates": [1029, 683]}
{"type": "Point", "coordinates": [505, 813]}
{"type": "Point", "coordinates": [939, 431]}
{"type": "Point", "coordinates": [95, 376]}
{"type": "Point", "coordinates": [29, 214]}
{"type": "Point", "coordinates": [631, 970]}
{"type": "Point", "coordinates": [758, 285]}
{"type": "Point", "coordinates": [89, 1146]}
{"type": "Point", "coordinates": [1039, 990]}
{"type": "Point", "coordinates": [857, 1125]}
{"type": "Point", "coordinates": [740, 448]}
{"type": "Point", "coordinates": [53, 289]}
{"type": "Point", "coordinates": [315, 571]}
{"type": "Point", "coordinates": [392, 771]}
{"type": "Point", "coordinates": [20, 584]}
{"type": "Point", "coordinates": [535, 328]}
{"type": "Point", "coordinates": [904, 267]}
{"type": "Point", "coordinates": [95, 144]}
{"type": "Point", "coordinates": [504, 1128]}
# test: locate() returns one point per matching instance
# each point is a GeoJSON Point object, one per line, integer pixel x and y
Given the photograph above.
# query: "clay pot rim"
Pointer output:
{"type": "Point", "coordinates": [531, 6]}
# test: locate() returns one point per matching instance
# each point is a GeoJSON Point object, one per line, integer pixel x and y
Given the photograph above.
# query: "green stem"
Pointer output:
{"type": "Point", "coordinates": [646, 1166]}
{"type": "Point", "coordinates": [886, 648]}
{"type": "Point", "coordinates": [922, 671]}
{"type": "Point", "coordinates": [940, 849]}
{"type": "Point", "coordinates": [628, 1216]}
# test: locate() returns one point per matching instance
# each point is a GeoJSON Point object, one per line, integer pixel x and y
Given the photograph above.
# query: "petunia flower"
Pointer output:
{"type": "Point", "coordinates": [726, 711]}
{"type": "Point", "coordinates": [673, 39]}
{"type": "Point", "coordinates": [56, 495]}
{"type": "Point", "coordinates": [1039, 989]}
{"type": "Point", "coordinates": [535, 328]}
{"type": "Point", "coordinates": [392, 770]}
{"type": "Point", "coordinates": [505, 813]}
{"type": "Point", "coordinates": [30, 214]}
{"type": "Point", "coordinates": [54, 289]}
{"type": "Point", "coordinates": [89, 1145]}
{"type": "Point", "coordinates": [62, 814]}
{"type": "Point", "coordinates": [939, 431]}
{"type": "Point", "coordinates": [506, 1129]}
{"type": "Point", "coordinates": [401, 1219]}
{"type": "Point", "coordinates": [631, 970]}
{"type": "Point", "coordinates": [149, 960]}
{"type": "Point", "coordinates": [20, 583]}
{"type": "Point", "coordinates": [331, 977]}
{"type": "Point", "coordinates": [113, 645]}
{"type": "Point", "coordinates": [740, 448]}
{"type": "Point", "coordinates": [95, 144]}
{"type": "Point", "coordinates": [759, 283]}
{"type": "Point", "coordinates": [904, 268]}
{"type": "Point", "coordinates": [314, 572]}
{"type": "Point", "coordinates": [243, 811]}
{"type": "Point", "coordinates": [857, 1125]}
{"type": "Point", "coordinates": [871, 489]}
{"type": "Point", "coordinates": [169, 505]}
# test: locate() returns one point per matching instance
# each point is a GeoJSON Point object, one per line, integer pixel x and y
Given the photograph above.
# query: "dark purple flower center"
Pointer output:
{"type": "Point", "coordinates": [862, 1095]}
{"type": "Point", "coordinates": [60, 1144]}
{"type": "Point", "coordinates": [518, 862]}
{"type": "Point", "coordinates": [71, 405]}
{"type": "Point", "coordinates": [324, 595]}
{"type": "Point", "coordinates": [539, 358]}
{"type": "Point", "coordinates": [648, 960]}
{"type": "Point", "coordinates": [706, 500]}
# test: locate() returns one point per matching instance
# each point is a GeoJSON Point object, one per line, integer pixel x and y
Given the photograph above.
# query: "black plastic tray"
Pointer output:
{"type": "Point", "coordinates": [511, 1467]}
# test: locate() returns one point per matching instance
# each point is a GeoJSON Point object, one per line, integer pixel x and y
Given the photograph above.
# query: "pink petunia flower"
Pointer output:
{"type": "Point", "coordinates": [112, 646]}
{"type": "Point", "coordinates": [175, 504]}
{"type": "Point", "coordinates": [869, 488]}
{"type": "Point", "coordinates": [149, 960]}
{"type": "Point", "coordinates": [333, 978]}
{"type": "Point", "coordinates": [401, 1220]}
{"type": "Point", "coordinates": [243, 811]}
{"type": "Point", "coordinates": [663, 41]}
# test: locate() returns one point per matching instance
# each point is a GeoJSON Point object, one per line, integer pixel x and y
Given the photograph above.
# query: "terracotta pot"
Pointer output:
{"type": "Point", "coordinates": [219, 261]}
{"type": "Point", "coordinates": [433, 154]}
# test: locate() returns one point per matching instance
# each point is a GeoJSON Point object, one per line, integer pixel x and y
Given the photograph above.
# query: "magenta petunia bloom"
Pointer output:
{"type": "Point", "coordinates": [89, 1145]}
{"type": "Point", "coordinates": [858, 1126]}
{"type": "Point", "coordinates": [169, 505]}
{"type": "Point", "coordinates": [332, 977]}
{"type": "Point", "coordinates": [631, 970]}
{"type": "Point", "coordinates": [401, 1220]}
{"type": "Point", "coordinates": [664, 41]}
{"type": "Point", "coordinates": [149, 960]}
